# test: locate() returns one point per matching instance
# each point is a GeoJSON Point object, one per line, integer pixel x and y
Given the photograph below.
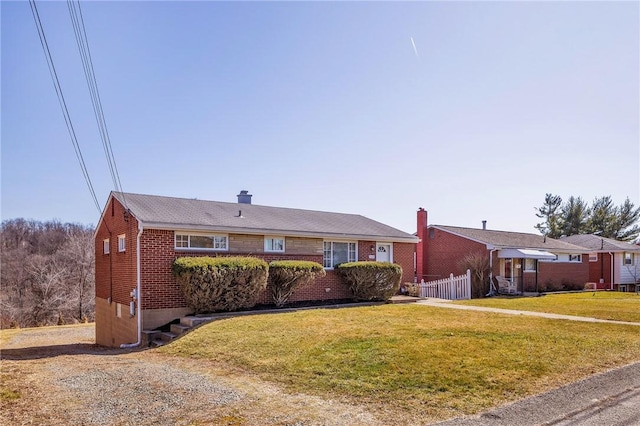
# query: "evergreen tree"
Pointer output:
{"type": "Point", "coordinates": [551, 213]}
{"type": "Point", "coordinates": [575, 214]}
{"type": "Point", "coordinates": [575, 217]}
{"type": "Point", "coordinates": [603, 217]}
{"type": "Point", "coordinates": [627, 228]}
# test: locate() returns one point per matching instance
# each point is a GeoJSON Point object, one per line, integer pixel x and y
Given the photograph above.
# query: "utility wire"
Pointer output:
{"type": "Point", "coordinates": [61, 101]}
{"type": "Point", "coordinates": [80, 32]}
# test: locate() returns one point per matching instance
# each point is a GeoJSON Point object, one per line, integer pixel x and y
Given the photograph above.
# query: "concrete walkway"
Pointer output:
{"type": "Point", "coordinates": [442, 303]}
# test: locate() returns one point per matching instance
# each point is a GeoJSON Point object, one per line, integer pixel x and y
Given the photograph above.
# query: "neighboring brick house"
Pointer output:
{"type": "Point", "coordinates": [139, 236]}
{"type": "Point", "coordinates": [613, 265]}
{"type": "Point", "coordinates": [530, 261]}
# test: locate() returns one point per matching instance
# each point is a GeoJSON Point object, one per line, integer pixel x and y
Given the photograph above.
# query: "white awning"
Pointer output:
{"type": "Point", "coordinates": [525, 254]}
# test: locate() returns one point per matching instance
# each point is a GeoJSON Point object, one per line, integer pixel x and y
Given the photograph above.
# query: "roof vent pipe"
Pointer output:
{"type": "Point", "coordinates": [244, 197]}
{"type": "Point", "coordinates": [484, 225]}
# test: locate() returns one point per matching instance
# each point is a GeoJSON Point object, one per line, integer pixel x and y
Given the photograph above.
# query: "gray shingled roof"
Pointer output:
{"type": "Point", "coordinates": [504, 239]}
{"type": "Point", "coordinates": [596, 243]}
{"type": "Point", "coordinates": [192, 214]}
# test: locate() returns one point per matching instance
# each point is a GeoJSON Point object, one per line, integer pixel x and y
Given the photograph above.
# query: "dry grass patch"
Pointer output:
{"type": "Point", "coordinates": [427, 362]}
{"type": "Point", "coordinates": [6, 334]}
{"type": "Point", "coordinates": [609, 305]}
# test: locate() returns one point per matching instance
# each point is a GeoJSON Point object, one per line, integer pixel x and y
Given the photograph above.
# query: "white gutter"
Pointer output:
{"type": "Point", "coordinates": [138, 292]}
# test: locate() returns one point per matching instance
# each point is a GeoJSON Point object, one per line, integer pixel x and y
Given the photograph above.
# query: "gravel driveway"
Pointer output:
{"type": "Point", "coordinates": [63, 378]}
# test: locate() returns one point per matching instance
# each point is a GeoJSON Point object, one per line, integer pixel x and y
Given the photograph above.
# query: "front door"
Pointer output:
{"type": "Point", "coordinates": [383, 252]}
{"type": "Point", "coordinates": [513, 271]}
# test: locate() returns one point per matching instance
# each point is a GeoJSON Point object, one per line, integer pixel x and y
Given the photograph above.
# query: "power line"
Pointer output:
{"type": "Point", "coordinates": [61, 100]}
{"type": "Point", "coordinates": [80, 32]}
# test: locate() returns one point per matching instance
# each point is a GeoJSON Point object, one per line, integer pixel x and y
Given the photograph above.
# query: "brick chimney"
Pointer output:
{"type": "Point", "coordinates": [421, 247]}
{"type": "Point", "coordinates": [244, 197]}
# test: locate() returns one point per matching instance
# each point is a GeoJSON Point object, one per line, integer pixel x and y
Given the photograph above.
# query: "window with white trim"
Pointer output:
{"type": "Point", "coordinates": [122, 243]}
{"type": "Point", "coordinates": [627, 259]}
{"type": "Point", "coordinates": [593, 257]}
{"type": "Point", "coordinates": [105, 246]}
{"type": "Point", "coordinates": [201, 241]}
{"type": "Point", "coordinates": [575, 258]}
{"type": "Point", "coordinates": [274, 244]}
{"type": "Point", "coordinates": [530, 265]}
{"type": "Point", "coordinates": [335, 253]}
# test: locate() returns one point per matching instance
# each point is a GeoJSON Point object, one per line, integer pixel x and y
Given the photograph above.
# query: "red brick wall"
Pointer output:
{"type": "Point", "coordinates": [160, 290]}
{"type": "Point", "coordinates": [568, 273]}
{"type": "Point", "coordinates": [443, 253]}
{"type": "Point", "coordinates": [115, 276]}
{"type": "Point", "coordinates": [364, 251]}
{"type": "Point", "coordinates": [601, 269]}
{"type": "Point", "coordinates": [403, 255]}
{"type": "Point", "coordinates": [116, 272]}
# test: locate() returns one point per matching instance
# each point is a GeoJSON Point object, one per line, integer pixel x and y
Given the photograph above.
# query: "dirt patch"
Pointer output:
{"type": "Point", "coordinates": [58, 376]}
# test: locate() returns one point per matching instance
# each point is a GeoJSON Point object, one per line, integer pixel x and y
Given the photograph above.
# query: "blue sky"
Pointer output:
{"type": "Point", "coordinates": [327, 106]}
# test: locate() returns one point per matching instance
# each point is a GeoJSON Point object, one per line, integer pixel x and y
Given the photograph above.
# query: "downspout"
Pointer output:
{"type": "Point", "coordinates": [110, 267]}
{"type": "Point", "coordinates": [613, 266]}
{"type": "Point", "coordinates": [491, 289]}
{"type": "Point", "coordinates": [138, 293]}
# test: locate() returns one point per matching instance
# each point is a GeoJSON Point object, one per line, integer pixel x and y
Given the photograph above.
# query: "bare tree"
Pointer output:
{"type": "Point", "coordinates": [46, 300]}
{"type": "Point", "coordinates": [478, 264]}
{"type": "Point", "coordinates": [47, 273]}
{"type": "Point", "coordinates": [78, 255]}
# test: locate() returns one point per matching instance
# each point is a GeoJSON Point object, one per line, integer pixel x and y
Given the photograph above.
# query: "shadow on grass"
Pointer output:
{"type": "Point", "coordinates": [52, 351]}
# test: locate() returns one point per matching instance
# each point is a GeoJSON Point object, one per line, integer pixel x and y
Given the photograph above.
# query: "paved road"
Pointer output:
{"type": "Point", "coordinates": [607, 399]}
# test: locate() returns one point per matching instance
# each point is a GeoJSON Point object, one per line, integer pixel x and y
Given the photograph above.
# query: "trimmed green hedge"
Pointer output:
{"type": "Point", "coordinates": [221, 283]}
{"type": "Point", "coordinates": [371, 280]}
{"type": "Point", "coordinates": [287, 276]}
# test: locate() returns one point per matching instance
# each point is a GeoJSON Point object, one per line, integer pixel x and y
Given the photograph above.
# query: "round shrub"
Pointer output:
{"type": "Point", "coordinates": [287, 276]}
{"type": "Point", "coordinates": [221, 283]}
{"type": "Point", "coordinates": [371, 280]}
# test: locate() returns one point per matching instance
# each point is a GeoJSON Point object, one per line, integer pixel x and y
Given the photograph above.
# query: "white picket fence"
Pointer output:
{"type": "Point", "coordinates": [452, 288]}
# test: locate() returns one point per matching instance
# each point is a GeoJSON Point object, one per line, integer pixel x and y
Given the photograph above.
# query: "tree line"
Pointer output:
{"type": "Point", "coordinates": [47, 273]}
{"type": "Point", "coordinates": [575, 216]}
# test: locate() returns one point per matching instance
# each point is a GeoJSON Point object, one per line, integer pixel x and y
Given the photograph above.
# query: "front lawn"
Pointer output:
{"type": "Point", "coordinates": [609, 305]}
{"type": "Point", "coordinates": [413, 361]}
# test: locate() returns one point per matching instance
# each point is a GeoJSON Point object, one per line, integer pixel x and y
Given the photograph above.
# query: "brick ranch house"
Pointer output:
{"type": "Point", "coordinates": [527, 260]}
{"type": "Point", "coordinates": [139, 236]}
{"type": "Point", "coordinates": [613, 265]}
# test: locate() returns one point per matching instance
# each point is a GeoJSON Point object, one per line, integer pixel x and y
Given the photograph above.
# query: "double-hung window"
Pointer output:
{"type": "Point", "coordinates": [105, 246]}
{"type": "Point", "coordinates": [201, 241]}
{"type": "Point", "coordinates": [335, 253]}
{"type": "Point", "coordinates": [274, 244]}
{"type": "Point", "coordinates": [122, 243]}
{"type": "Point", "coordinates": [627, 259]}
